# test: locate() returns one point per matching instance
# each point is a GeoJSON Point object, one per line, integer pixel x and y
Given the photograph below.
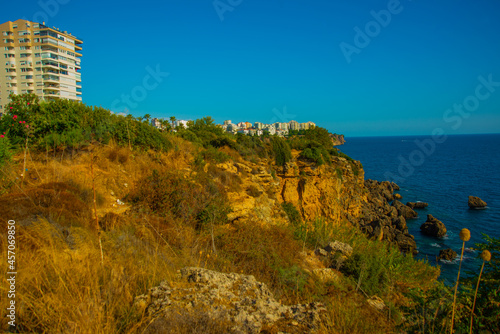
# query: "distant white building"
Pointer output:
{"type": "Point", "coordinates": [271, 129]}
{"type": "Point", "coordinates": [179, 122]}
{"type": "Point", "coordinates": [232, 128]}
{"type": "Point", "coordinates": [294, 125]}
{"type": "Point", "coordinates": [281, 126]}
{"type": "Point", "coordinates": [156, 123]}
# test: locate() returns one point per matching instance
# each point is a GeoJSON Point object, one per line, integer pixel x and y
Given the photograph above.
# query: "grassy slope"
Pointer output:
{"type": "Point", "coordinates": [64, 287]}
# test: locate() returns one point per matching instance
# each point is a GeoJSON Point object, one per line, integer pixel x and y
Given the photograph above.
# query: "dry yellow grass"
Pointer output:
{"type": "Point", "coordinates": [64, 287]}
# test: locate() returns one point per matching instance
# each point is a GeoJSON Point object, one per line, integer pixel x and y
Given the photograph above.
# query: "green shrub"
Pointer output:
{"type": "Point", "coordinates": [71, 124]}
{"type": "Point", "coordinates": [195, 202]}
{"type": "Point", "coordinates": [212, 154]}
{"type": "Point", "coordinates": [314, 154]}
{"type": "Point", "coordinates": [487, 310]}
{"type": "Point", "coordinates": [282, 152]}
{"type": "Point", "coordinates": [292, 213]}
{"type": "Point", "coordinates": [5, 150]}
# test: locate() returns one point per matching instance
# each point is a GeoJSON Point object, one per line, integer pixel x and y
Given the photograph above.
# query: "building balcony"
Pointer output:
{"type": "Point", "coordinates": [50, 78]}
{"type": "Point", "coordinates": [50, 65]}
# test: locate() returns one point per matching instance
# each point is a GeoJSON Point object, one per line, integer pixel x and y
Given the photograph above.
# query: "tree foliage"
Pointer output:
{"type": "Point", "coordinates": [70, 124]}
{"type": "Point", "coordinates": [282, 152]}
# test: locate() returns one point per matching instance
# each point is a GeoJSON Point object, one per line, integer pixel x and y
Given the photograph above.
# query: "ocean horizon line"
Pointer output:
{"type": "Point", "coordinates": [423, 135]}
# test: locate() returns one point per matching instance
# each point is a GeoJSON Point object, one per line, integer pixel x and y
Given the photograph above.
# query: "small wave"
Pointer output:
{"type": "Point", "coordinates": [454, 261]}
{"type": "Point", "coordinates": [435, 245]}
{"type": "Point", "coordinates": [470, 250]}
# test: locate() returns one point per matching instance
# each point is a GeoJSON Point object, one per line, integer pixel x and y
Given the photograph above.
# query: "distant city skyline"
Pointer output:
{"type": "Point", "coordinates": [244, 127]}
{"type": "Point", "coordinates": [365, 68]}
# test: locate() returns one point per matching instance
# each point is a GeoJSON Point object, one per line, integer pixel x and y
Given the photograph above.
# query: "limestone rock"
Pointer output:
{"type": "Point", "coordinates": [377, 303]}
{"type": "Point", "coordinates": [447, 254]}
{"type": "Point", "coordinates": [404, 210]}
{"type": "Point", "coordinates": [417, 205]}
{"type": "Point", "coordinates": [337, 246]}
{"type": "Point", "coordinates": [241, 300]}
{"type": "Point", "coordinates": [406, 243]}
{"type": "Point", "coordinates": [327, 274]}
{"type": "Point", "coordinates": [433, 227]}
{"type": "Point", "coordinates": [476, 203]}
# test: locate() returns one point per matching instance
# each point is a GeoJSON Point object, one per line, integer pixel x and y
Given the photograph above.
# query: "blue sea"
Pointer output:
{"type": "Point", "coordinates": [442, 172]}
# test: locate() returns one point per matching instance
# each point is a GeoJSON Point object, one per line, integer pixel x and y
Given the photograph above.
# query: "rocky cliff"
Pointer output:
{"type": "Point", "coordinates": [337, 139]}
{"type": "Point", "coordinates": [336, 192]}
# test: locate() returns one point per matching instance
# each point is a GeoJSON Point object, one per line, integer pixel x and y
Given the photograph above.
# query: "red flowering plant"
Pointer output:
{"type": "Point", "coordinates": [16, 122]}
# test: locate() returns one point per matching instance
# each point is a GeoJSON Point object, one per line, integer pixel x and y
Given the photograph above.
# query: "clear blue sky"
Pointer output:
{"type": "Point", "coordinates": [286, 56]}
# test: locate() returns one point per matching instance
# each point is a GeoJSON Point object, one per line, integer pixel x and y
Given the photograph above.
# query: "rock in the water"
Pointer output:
{"type": "Point", "coordinates": [240, 300]}
{"type": "Point", "coordinates": [417, 205]}
{"type": "Point", "coordinates": [404, 210]}
{"type": "Point", "coordinates": [398, 196]}
{"type": "Point", "coordinates": [433, 227]}
{"type": "Point", "coordinates": [476, 203]}
{"type": "Point", "coordinates": [447, 254]}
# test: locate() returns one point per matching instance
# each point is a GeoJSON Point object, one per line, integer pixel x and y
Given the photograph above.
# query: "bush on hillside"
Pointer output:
{"type": "Point", "coordinates": [65, 123]}
{"type": "Point", "coordinates": [281, 150]}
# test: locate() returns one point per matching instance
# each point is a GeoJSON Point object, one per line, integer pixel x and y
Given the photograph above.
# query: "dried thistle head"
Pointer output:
{"type": "Point", "coordinates": [485, 255]}
{"type": "Point", "coordinates": [464, 234]}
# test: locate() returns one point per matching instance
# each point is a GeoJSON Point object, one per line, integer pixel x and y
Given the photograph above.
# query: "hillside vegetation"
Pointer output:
{"type": "Point", "coordinates": [107, 207]}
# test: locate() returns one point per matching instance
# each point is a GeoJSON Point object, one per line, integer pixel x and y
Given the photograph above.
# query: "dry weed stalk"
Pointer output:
{"type": "Point", "coordinates": [464, 236]}
{"type": "Point", "coordinates": [95, 205]}
{"type": "Point", "coordinates": [486, 256]}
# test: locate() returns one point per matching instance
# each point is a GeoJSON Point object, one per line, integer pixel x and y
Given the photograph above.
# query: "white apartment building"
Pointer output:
{"type": "Point", "coordinates": [40, 60]}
